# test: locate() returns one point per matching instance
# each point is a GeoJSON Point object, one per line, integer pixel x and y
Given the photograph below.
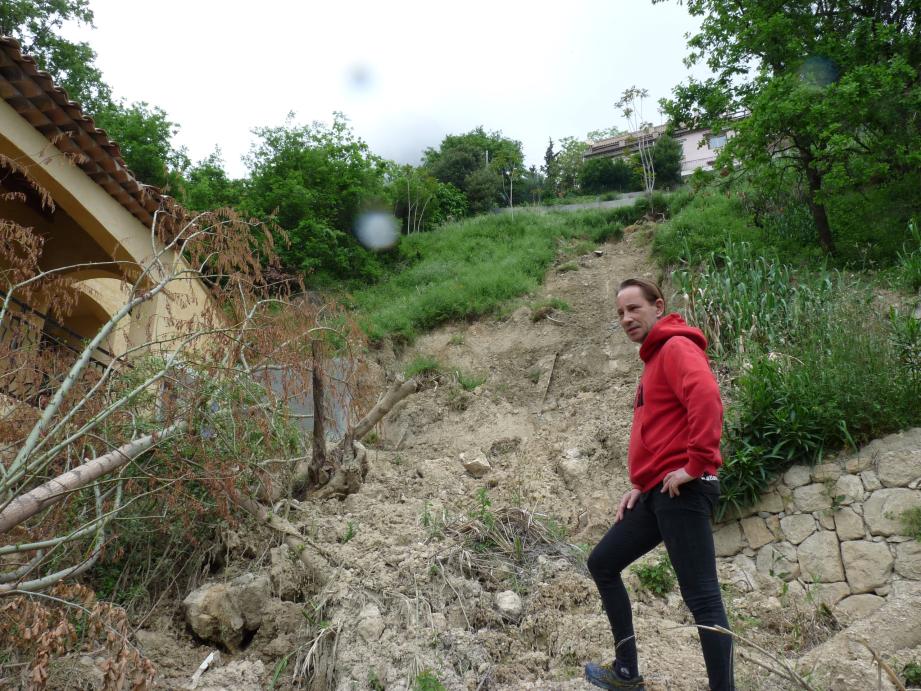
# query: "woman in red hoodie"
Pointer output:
{"type": "Point", "coordinates": [673, 459]}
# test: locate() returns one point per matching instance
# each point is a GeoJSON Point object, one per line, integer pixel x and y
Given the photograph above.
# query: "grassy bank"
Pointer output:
{"type": "Point", "coordinates": [471, 268]}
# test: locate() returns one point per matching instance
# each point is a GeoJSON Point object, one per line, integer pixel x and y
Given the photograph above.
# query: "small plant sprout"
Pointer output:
{"type": "Point", "coordinates": [657, 577]}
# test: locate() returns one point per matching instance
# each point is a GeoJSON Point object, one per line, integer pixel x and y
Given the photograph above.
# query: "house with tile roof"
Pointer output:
{"type": "Point", "coordinates": [99, 226]}
{"type": "Point", "coordinates": [699, 146]}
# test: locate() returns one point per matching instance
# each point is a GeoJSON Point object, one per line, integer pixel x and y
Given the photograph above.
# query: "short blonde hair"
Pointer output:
{"type": "Point", "coordinates": [650, 290]}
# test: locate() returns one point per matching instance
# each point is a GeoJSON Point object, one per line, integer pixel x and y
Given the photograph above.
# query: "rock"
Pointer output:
{"type": "Point", "coordinates": [744, 573]}
{"type": "Point", "coordinates": [509, 604]}
{"type": "Point", "coordinates": [826, 519]}
{"type": "Point", "coordinates": [893, 627]}
{"type": "Point", "coordinates": [225, 613]}
{"type": "Point", "coordinates": [797, 527]}
{"type": "Point", "coordinates": [573, 466]}
{"type": "Point", "coordinates": [820, 559]}
{"type": "Point", "coordinates": [770, 501]}
{"type": "Point", "coordinates": [475, 465]}
{"type": "Point", "coordinates": [826, 472]}
{"type": "Point", "coordinates": [849, 525]}
{"type": "Point", "coordinates": [848, 489]}
{"type": "Point", "coordinates": [828, 593]}
{"type": "Point", "coordinates": [797, 476]}
{"type": "Point", "coordinates": [908, 560]}
{"type": "Point", "coordinates": [898, 459]}
{"type": "Point", "coordinates": [858, 606]}
{"type": "Point", "coordinates": [868, 565]}
{"type": "Point", "coordinates": [883, 510]}
{"type": "Point", "coordinates": [778, 559]}
{"type": "Point", "coordinates": [809, 498]}
{"type": "Point", "coordinates": [727, 540]}
{"type": "Point", "coordinates": [287, 573]}
{"type": "Point", "coordinates": [756, 532]}
{"type": "Point", "coordinates": [773, 524]}
{"type": "Point", "coordinates": [858, 463]}
{"type": "Point", "coordinates": [870, 480]}
{"type": "Point", "coordinates": [370, 623]}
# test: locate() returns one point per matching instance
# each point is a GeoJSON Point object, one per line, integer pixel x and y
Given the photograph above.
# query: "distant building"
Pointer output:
{"type": "Point", "coordinates": [700, 146]}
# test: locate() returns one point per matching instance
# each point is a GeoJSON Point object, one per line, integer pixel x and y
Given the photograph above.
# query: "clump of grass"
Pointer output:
{"type": "Point", "coordinates": [568, 266]}
{"type": "Point", "coordinates": [658, 577]}
{"type": "Point", "coordinates": [543, 308]}
{"type": "Point", "coordinates": [456, 340]}
{"type": "Point", "coordinates": [911, 522]}
{"type": "Point", "coordinates": [468, 382]}
{"type": "Point", "coordinates": [422, 365]}
{"type": "Point", "coordinates": [534, 375]}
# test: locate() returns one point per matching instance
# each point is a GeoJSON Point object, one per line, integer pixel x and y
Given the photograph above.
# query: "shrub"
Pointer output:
{"type": "Point", "coordinates": [702, 226]}
{"type": "Point", "coordinates": [657, 577]}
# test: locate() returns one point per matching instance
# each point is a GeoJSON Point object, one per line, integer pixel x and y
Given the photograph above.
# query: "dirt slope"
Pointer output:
{"type": "Point", "coordinates": [411, 590]}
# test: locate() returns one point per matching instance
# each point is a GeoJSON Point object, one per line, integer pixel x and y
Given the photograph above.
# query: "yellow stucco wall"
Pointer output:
{"type": "Point", "coordinates": [90, 226]}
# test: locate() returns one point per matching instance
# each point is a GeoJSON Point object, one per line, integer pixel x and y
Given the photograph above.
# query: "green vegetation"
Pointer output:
{"type": "Point", "coordinates": [911, 521]}
{"type": "Point", "coordinates": [830, 95]}
{"type": "Point", "coordinates": [911, 673]}
{"type": "Point", "coordinates": [427, 681]}
{"type": "Point", "coordinates": [819, 364]}
{"type": "Point", "coordinates": [470, 268]}
{"type": "Point", "coordinates": [657, 577]}
{"type": "Point", "coordinates": [421, 364]}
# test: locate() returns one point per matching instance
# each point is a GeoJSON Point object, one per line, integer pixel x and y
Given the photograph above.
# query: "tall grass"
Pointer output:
{"type": "Point", "coordinates": [817, 361]}
{"type": "Point", "coordinates": [471, 268]}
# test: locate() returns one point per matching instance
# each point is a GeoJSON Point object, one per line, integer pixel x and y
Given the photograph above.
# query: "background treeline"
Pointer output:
{"type": "Point", "coordinates": [313, 181]}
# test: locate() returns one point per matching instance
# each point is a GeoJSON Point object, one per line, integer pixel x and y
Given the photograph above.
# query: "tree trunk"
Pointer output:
{"type": "Point", "coordinates": [819, 213]}
{"type": "Point", "coordinates": [319, 422]}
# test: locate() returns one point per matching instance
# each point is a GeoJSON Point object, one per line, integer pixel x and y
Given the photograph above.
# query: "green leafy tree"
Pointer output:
{"type": "Point", "coordinates": [569, 162]}
{"type": "Point", "coordinates": [461, 158]}
{"type": "Point", "coordinates": [830, 91]}
{"type": "Point", "coordinates": [605, 174]}
{"type": "Point", "coordinates": [314, 181]}
{"type": "Point", "coordinates": [667, 155]}
{"type": "Point", "coordinates": [144, 134]}
{"type": "Point", "coordinates": [207, 186]}
{"type": "Point", "coordinates": [483, 189]}
{"type": "Point", "coordinates": [550, 168]}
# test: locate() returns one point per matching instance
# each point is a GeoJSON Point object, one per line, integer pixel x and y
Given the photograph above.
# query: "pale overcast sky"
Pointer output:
{"type": "Point", "coordinates": [404, 72]}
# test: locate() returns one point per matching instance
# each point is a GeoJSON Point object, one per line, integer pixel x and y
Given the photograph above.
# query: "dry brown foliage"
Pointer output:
{"type": "Point", "coordinates": [69, 620]}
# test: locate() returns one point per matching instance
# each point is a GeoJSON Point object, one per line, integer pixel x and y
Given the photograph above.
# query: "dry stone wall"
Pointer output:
{"type": "Point", "coordinates": [836, 528]}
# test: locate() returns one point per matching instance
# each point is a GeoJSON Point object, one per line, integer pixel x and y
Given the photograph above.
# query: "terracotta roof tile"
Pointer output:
{"type": "Point", "coordinates": [33, 94]}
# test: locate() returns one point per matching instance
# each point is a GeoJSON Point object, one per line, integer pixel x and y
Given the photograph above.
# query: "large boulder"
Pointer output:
{"type": "Point", "coordinates": [898, 458]}
{"type": "Point", "coordinates": [820, 559]}
{"type": "Point", "coordinates": [868, 565]}
{"type": "Point", "coordinates": [228, 613]}
{"type": "Point", "coordinates": [883, 510]}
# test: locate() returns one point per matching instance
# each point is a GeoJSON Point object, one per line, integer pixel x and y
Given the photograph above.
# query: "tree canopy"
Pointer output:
{"type": "Point", "coordinates": [827, 91]}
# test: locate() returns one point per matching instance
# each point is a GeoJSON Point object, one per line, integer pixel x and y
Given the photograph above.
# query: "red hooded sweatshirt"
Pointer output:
{"type": "Point", "coordinates": [678, 414]}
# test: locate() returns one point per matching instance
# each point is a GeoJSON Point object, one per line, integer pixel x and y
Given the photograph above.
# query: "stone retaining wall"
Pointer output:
{"type": "Point", "coordinates": [835, 528]}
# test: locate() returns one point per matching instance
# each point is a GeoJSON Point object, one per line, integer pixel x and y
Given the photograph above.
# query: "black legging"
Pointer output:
{"type": "Point", "coordinates": [683, 523]}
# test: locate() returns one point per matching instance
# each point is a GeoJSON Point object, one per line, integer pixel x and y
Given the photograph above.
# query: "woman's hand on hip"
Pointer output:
{"type": "Point", "coordinates": [627, 502]}
{"type": "Point", "coordinates": [674, 480]}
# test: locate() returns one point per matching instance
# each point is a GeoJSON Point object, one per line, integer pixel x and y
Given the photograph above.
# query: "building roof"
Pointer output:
{"type": "Point", "coordinates": [33, 94]}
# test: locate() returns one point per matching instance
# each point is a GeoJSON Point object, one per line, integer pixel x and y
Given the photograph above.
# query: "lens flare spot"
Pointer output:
{"type": "Point", "coordinates": [377, 230]}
